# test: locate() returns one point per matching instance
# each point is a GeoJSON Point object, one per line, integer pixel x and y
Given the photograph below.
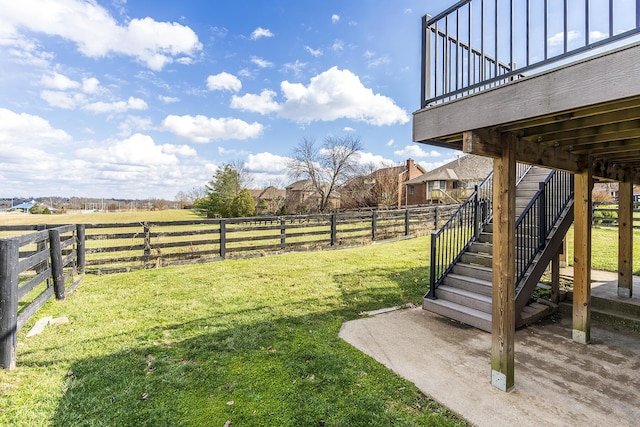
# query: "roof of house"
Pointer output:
{"type": "Point", "coordinates": [272, 193]}
{"type": "Point", "coordinates": [302, 185]}
{"type": "Point", "coordinates": [464, 168]}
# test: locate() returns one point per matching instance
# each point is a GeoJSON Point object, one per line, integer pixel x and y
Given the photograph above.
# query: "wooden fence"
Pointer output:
{"type": "Point", "coordinates": [128, 246]}
{"type": "Point", "coordinates": [606, 215]}
{"type": "Point", "coordinates": [33, 267]}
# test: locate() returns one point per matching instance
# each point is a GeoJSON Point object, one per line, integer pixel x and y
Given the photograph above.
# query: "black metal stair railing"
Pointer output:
{"type": "Point", "coordinates": [463, 228]}
{"type": "Point", "coordinates": [537, 221]}
{"type": "Point", "coordinates": [478, 44]}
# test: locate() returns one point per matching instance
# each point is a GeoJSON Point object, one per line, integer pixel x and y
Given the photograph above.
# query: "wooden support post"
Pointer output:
{"type": "Point", "coordinates": [582, 258]}
{"type": "Point", "coordinates": [57, 268]}
{"type": "Point", "coordinates": [9, 259]}
{"type": "Point", "coordinates": [503, 290]}
{"type": "Point", "coordinates": [625, 240]}
{"type": "Point", "coordinates": [374, 224]}
{"type": "Point", "coordinates": [283, 233]}
{"type": "Point", "coordinates": [407, 223]}
{"type": "Point", "coordinates": [334, 230]}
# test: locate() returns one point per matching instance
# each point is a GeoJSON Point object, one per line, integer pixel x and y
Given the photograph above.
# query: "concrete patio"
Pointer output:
{"type": "Point", "coordinates": [557, 381]}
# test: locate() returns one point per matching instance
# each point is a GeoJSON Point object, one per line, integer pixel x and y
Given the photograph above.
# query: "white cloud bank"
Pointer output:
{"type": "Point", "coordinates": [204, 129]}
{"type": "Point", "coordinates": [97, 34]}
{"type": "Point", "coordinates": [331, 95]}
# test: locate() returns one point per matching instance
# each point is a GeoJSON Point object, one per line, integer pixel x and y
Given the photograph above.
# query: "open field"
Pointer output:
{"type": "Point", "coordinates": [99, 217]}
{"type": "Point", "coordinates": [253, 341]}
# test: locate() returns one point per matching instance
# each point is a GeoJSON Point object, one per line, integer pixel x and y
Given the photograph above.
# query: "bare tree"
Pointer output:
{"type": "Point", "coordinates": [327, 167]}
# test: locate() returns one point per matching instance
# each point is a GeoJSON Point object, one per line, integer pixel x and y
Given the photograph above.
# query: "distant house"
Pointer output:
{"type": "Point", "coordinates": [303, 197]}
{"type": "Point", "coordinates": [450, 183]}
{"type": "Point", "coordinates": [269, 199]}
{"type": "Point", "coordinates": [381, 188]}
{"type": "Point", "coordinates": [24, 207]}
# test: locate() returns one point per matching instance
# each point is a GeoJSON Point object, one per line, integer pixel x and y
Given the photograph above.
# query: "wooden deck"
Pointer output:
{"type": "Point", "coordinates": [583, 114]}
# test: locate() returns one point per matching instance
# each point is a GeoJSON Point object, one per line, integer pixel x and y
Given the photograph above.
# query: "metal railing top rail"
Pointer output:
{"type": "Point", "coordinates": [474, 45]}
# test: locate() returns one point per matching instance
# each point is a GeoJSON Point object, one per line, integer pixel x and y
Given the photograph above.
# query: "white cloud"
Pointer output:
{"type": "Point", "coordinates": [58, 81]}
{"type": "Point", "coordinates": [368, 54]}
{"type": "Point", "coordinates": [22, 130]}
{"type": "Point", "coordinates": [596, 35]}
{"type": "Point", "coordinates": [338, 45]}
{"type": "Point", "coordinates": [331, 95]}
{"type": "Point", "coordinates": [91, 85]}
{"type": "Point", "coordinates": [390, 142]}
{"type": "Point", "coordinates": [416, 152]}
{"type": "Point", "coordinates": [180, 150]}
{"type": "Point", "coordinates": [295, 67]}
{"type": "Point", "coordinates": [63, 100]}
{"type": "Point", "coordinates": [375, 160]}
{"type": "Point", "coordinates": [263, 103]}
{"type": "Point", "coordinates": [134, 124]}
{"type": "Point", "coordinates": [261, 32]}
{"type": "Point", "coordinates": [266, 162]}
{"type": "Point", "coordinates": [97, 34]}
{"type": "Point", "coordinates": [224, 81]}
{"type": "Point", "coordinates": [376, 62]}
{"type": "Point", "coordinates": [138, 149]}
{"type": "Point", "coordinates": [204, 129]}
{"type": "Point", "coordinates": [168, 99]}
{"type": "Point", "coordinates": [558, 38]}
{"type": "Point", "coordinates": [313, 52]}
{"type": "Point", "coordinates": [260, 62]}
{"type": "Point", "coordinates": [116, 106]}
{"type": "Point", "coordinates": [348, 129]}
{"type": "Point", "coordinates": [335, 18]}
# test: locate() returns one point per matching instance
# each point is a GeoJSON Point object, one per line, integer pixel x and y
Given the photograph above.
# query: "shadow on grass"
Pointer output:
{"type": "Point", "coordinates": [284, 371]}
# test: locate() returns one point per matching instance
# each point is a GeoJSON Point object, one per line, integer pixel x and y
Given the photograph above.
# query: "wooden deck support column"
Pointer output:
{"type": "Point", "coordinates": [625, 240]}
{"type": "Point", "coordinates": [582, 258]}
{"type": "Point", "coordinates": [503, 324]}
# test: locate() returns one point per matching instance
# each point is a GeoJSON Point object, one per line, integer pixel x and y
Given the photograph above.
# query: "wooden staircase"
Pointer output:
{"type": "Point", "coordinates": [464, 293]}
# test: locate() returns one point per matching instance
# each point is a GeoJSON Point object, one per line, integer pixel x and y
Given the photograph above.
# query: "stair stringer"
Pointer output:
{"type": "Point", "coordinates": [525, 289]}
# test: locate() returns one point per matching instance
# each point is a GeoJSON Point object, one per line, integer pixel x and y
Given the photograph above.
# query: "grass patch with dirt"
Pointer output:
{"type": "Point", "coordinates": [251, 341]}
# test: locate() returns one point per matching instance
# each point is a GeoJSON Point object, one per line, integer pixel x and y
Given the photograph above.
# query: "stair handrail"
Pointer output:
{"type": "Point", "coordinates": [463, 228]}
{"type": "Point", "coordinates": [539, 217]}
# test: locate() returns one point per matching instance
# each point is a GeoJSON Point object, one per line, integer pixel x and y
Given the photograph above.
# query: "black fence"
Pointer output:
{"type": "Point", "coordinates": [120, 247]}
{"type": "Point", "coordinates": [34, 267]}
{"type": "Point", "coordinates": [606, 215]}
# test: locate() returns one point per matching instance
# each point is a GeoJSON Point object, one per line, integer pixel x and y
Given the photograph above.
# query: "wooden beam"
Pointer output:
{"type": "Point", "coordinates": [625, 240]}
{"type": "Point", "coordinates": [583, 184]}
{"type": "Point", "coordinates": [555, 276]}
{"type": "Point", "coordinates": [486, 142]}
{"type": "Point", "coordinates": [503, 324]}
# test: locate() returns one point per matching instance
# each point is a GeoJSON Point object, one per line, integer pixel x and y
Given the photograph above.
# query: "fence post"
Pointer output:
{"type": "Point", "coordinates": [283, 233]}
{"type": "Point", "coordinates": [223, 239]}
{"type": "Point", "coordinates": [57, 272]}
{"type": "Point", "coordinates": [334, 229]}
{"type": "Point", "coordinates": [435, 219]}
{"type": "Point", "coordinates": [147, 242]}
{"type": "Point", "coordinates": [406, 222]}
{"type": "Point", "coordinates": [9, 258]}
{"type": "Point", "coordinates": [80, 248]}
{"type": "Point", "coordinates": [374, 224]}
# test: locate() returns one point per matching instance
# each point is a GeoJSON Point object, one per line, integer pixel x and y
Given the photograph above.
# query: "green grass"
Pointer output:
{"type": "Point", "coordinates": [253, 341]}
{"type": "Point", "coordinates": [604, 249]}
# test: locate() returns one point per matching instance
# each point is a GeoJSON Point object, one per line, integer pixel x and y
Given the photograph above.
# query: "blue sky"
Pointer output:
{"type": "Point", "coordinates": [139, 99]}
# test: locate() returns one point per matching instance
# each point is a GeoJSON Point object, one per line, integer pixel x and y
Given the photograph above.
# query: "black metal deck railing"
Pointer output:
{"type": "Point", "coordinates": [463, 228]}
{"type": "Point", "coordinates": [478, 44]}
{"type": "Point", "coordinates": [539, 218]}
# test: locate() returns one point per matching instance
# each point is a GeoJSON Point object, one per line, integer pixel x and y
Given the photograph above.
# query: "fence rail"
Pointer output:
{"type": "Point", "coordinates": [33, 268]}
{"type": "Point", "coordinates": [606, 215]}
{"type": "Point", "coordinates": [477, 44]}
{"type": "Point", "coordinates": [123, 247]}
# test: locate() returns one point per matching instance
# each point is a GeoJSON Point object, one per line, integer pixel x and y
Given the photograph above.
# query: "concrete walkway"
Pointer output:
{"type": "Point", "coordinates": [557, 381]}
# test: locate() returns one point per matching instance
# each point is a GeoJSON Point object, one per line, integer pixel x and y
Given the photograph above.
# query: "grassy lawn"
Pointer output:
{"type": "Point", "coordinates": [604, 248]}
{"type": "Point", "coordinates": [253, 341]}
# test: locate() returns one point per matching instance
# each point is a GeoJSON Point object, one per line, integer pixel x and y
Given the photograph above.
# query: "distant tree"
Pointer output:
{"type": "Point", "coordinates": [39, 209]}
{"type": "Point", "coordinates": [262, 206]}
{"type": "Point", "coordinates": [326, 167]}
{"type": "Point", "coordinates": [228, 182]}
{"type": "Point", "coordinates": [243, 204]}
